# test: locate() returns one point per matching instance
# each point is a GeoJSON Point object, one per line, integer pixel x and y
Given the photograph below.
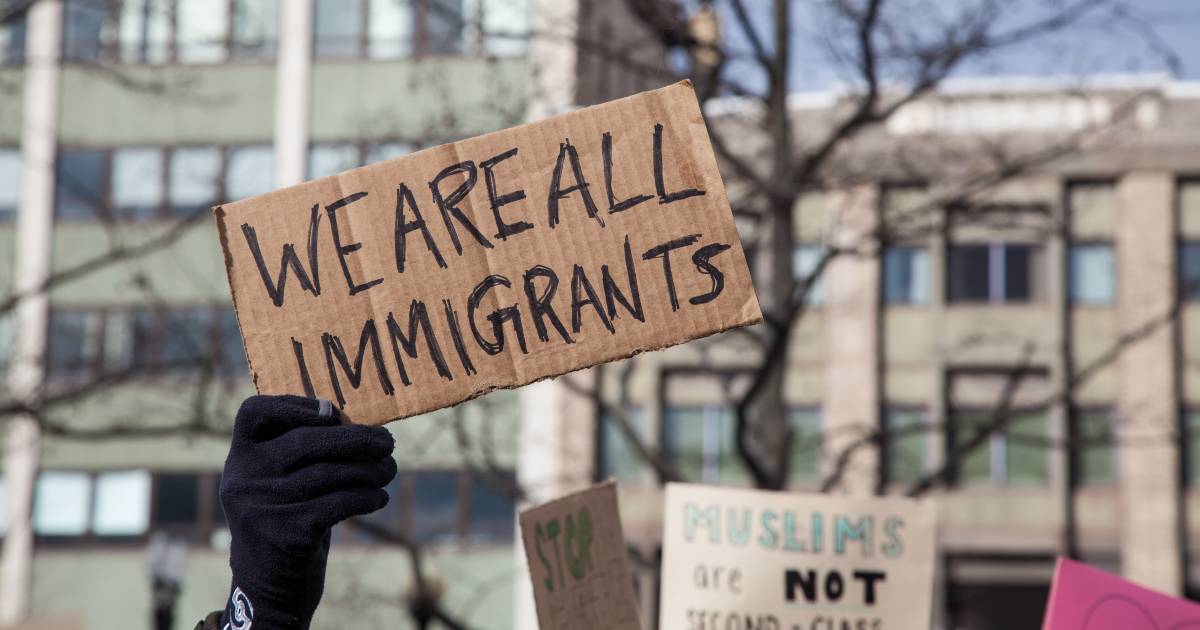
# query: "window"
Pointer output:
{"type": "Point", "coordinates": [61, 503]}
{"type": "Point", "coordinates": [1189, 271]}
{"type": "Point", "coordinates": [177, 501]}
{"type": "Point", "coordinates": [1091, 273]}
{"type": "Point", "coordinates": [394, 29]}
{"type": "Point", "coordinates": [12, 40]}
{"type": "Point", "coordinates": [180, 342]}
{"type": "Point", "coordinates": [1096, 458]}
{"type": "Point", "coordinates": [701, 443]}
{"type": "Point", "coordinates": [164, 31]}
{"type": "Point", "coordinates": [255, 29]}
{"type": "Point", "coordinates": [80, 188]}
{"type": "Point", "coordinates": [991, 272]}
{"type": "Point", "coordinates": [194, 180]}
{"type": "Point", "coordinates": [491, 509]}
{"type": "Point", "coordinates": [805, 259]}
{"type": "Point", "coordinates": [72, 343]}
{"type": "Point", "coordinates": [906, 275]}
{"type": "Point", "coordinates": [505, 27]}
{"type": "Point", "coordinates": [122, 505]}
{"type": "Point", "coordinates": [1191, 424]}
{"type": "Point", "coordinates": [137, 182]}
{"type": "Point", "coordinates": [331, 159]}
{"type": "Point", "coordinates": [10, 183]}
{"type": "Point", "coordinates": [435, 510]}
{"type": "Point", "coordinates": [443, 507]}
{"type": "Point", "coordinates": [618, 458]}
{"type": "Point", "coordinates": [904, 449]}
{"type": "Point", "coordinates": [1013, 457]}
{"type": "Point", "coordinates": [250, 172]}
{"type": "Point", "coordinates": [807, 444]}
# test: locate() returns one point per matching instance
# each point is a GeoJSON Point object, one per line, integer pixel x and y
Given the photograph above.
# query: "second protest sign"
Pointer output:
{"type": "Point", "coordinates": [785, 561]}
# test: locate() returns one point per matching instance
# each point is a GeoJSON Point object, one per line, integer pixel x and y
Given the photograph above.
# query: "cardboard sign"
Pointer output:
{"type": "Point", "coordinates": [1086, 598]}
{"type": "Point", "coordinates": [423, 281]}
{"type": "Point", "coordinates": [578, 563]}
{"type": "Point", "coordinates": [784, 561]}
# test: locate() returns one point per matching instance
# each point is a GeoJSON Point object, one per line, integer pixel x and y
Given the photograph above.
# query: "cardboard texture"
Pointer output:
{"type": "Point", "coordinates": [1086, 598]}
{"type": "Point", "coordinates": [578, 563]}
{"type": "Point", "coordinates": [492, 262]}
{"type": "Point", "coordinates": [784, 561]}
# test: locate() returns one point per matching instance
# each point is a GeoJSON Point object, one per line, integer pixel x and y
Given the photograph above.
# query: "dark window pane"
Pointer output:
{"type": "Point", "coordinates": [255, 26]}
{"type": "Point", "coordinates": [83, 23]}
{"type": "Point", "coordinates": [491, 511]}
{"type": "Point", "coordinates": [144, 338]}
{"type": "Point", "coordinates": [70, 349]}
{"type": "Point", "coordinates": [904, 449]}
{"type": "Point", "coordinates": [1018, 267]}
{"type": "Point", "coordinates": [1097, 461]}
{"type": "Point", "coordinates": [12, 39]}
{"type": "Point", "coordinates": [80, 185]}
{"type": "Point", "coordinates": [232, 358]}
{"type": "Point", "coordinates": [1026, 454]}
{"type": "Point", "coordinates": [10, 183]}
{"type": "Point", "coordinates": [683, 440]}
{"type": "Point", "coordinates": [974, 464]}
{"type": "Point", "coordinates": [176, 500]}
{"type": "Point", "coordinates": [1189, 271]}
{"type": "Point", "coordinates": [969, 273]}
{"type": "Point", "coordinates": [905, 275]}
{"type": "Point", "coordinates": [443, 27]}
{"type": "Point", "coordinates": [806, 444]}
{"type": "Point", "coordinates": [187, 340]}
{"type": "Point", "coordinates": [338, 25]}
{"type": "Point", "coordinates": [435, 506]}
{"type": "Point", "coordinates": [618, 458]}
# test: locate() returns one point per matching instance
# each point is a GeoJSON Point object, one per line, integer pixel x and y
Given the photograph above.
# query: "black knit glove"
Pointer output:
{"type": "Point", "coordinates": [293, 472]}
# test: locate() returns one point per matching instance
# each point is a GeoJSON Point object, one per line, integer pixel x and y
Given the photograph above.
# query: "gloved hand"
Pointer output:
{"type": "Point", "coordinates": [293, 471]}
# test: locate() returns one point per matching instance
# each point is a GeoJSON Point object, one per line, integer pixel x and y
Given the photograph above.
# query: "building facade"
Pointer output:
{"type": "Point", "coordinates": [1060, 297]}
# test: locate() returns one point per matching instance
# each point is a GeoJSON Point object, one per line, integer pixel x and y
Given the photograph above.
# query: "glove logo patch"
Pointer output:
{"type": "Point", "coordinates": [242, 611]}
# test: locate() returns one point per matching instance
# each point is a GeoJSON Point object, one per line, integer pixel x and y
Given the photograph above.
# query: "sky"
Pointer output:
{"type": "Point", "coordinates": [1090, 47]}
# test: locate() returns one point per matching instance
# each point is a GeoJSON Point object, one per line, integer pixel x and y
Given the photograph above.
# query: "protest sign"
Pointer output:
{"type": "Point", "coordinates": [737, 558]}
{"type": "Point", "coordinates": [492, 262]}
{"type": "Point", "coordinates": [578, 562]}
{"type": "Point", "coordinates": [1086, 598]}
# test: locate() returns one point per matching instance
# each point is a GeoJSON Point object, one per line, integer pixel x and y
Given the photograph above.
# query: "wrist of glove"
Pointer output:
{"type": "Point", "coordinates": [293, 472]}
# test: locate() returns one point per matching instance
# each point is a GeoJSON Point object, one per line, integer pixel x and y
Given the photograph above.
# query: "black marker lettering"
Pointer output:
{"type": "Point", "coordinates": [615, 206]}
{"type": "Point", "coordinates": [496, 317]}
{"type": "Point", "coordinates": [275, 287]}
{"type": "Point", "coordinates": [456, 336]}
{"type": "Point", "coordinates": [612, 294]}
{"type": "Point", "coordinates": [580, 285]}
{"type": "Point", "coordinates": [305, 379]}
{"type": "Point", "coordinates": [664, 251]}
{"type": "Point", "coordinates": [540, 305]}
{"type": "Point", "coordinates": [405, 196]}
{"type": "Point", "coordinates": [664, 196]}
{"type": "Point", "coordinates": [334, 348]}
{"type": "Point", "coordinates": [418, 316]}
{"type": "Point", "coordinates": [349, 248]}
{"type": "Point", "coordinates": [449, 204]}
{"type": "Point", "coordinates": [700, 258]}
{"type": "Point", "coordinates": [497, 201]}
{"type": "Point", "coordinates": [567, 150]}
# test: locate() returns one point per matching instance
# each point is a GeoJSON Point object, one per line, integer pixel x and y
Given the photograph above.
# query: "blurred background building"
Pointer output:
{"type": "Point", "coordinates": [1063, 298]}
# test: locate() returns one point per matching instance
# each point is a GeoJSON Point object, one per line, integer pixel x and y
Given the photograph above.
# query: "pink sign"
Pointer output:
{"type": "Point", "coordinates": [1086, 598]}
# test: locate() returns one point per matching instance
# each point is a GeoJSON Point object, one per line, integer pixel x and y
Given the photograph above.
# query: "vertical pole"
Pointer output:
{"type": "Point", "coordinates": [293, 77]}
{"type": "Point", "coordinates": [35, 223]}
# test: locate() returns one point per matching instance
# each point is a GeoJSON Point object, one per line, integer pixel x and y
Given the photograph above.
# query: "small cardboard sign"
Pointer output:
{"type": "Point", "coordinates": [492, 262]}
{"type": "Point", "coordinates": [1086, 598]}
{"type": "Point", "coordinates": [737, 558]}
{"type": "Point", "coordinates": [578, 562]}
